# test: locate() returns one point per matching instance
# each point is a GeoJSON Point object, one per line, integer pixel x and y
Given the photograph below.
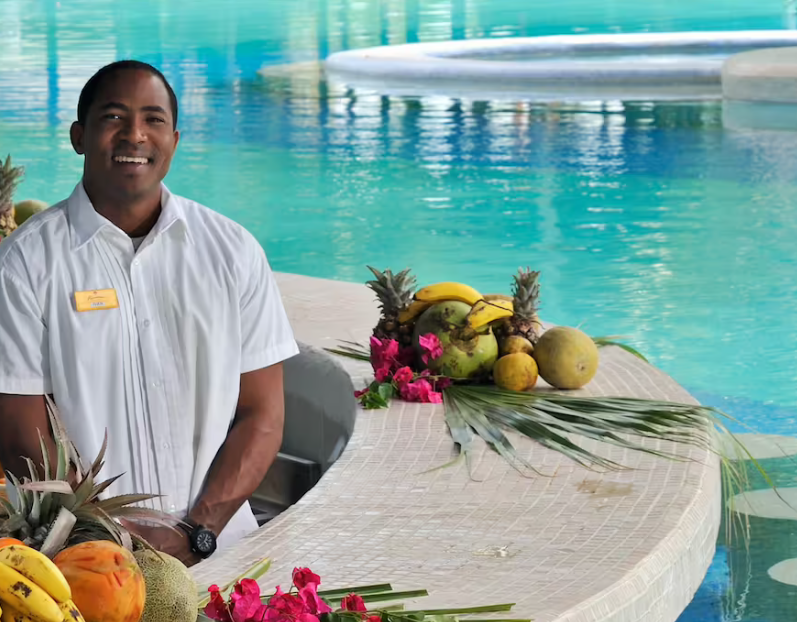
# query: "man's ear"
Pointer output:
{"type": "Point", "coordinates": [76, 136]}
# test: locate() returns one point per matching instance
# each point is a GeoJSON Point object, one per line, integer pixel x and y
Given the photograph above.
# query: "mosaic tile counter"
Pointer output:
{"type": "Point", "coordinates": [578, 546]}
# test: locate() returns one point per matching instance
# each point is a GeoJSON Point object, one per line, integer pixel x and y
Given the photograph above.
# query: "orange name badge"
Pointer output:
{"type": "Point", "coordinates": [96, 300]}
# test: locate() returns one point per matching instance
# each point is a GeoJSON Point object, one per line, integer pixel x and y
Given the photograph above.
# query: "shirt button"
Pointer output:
{"type": "Point", "coordinates": [136, 262]}
{"type": "Point", "coordinates": [156, 384]}
{"type": "Point", "coordinates": [166, 446]}
{"type": "Point", "coordinates": [146, 323]}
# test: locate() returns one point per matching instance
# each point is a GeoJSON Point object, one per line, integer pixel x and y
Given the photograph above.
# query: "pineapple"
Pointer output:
{"type": "Point", "coordinates": [10, 176]}
{"type": "Point", "coordinates": [525, 300]}
{"type": "Point", "coordinates": [54, 513]}
{"type": "Point", "coordinates": [395, 292]}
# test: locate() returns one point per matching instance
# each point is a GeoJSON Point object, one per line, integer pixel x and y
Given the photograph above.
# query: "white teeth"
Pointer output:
{"type": "Point", "coordinates": [130, 160]}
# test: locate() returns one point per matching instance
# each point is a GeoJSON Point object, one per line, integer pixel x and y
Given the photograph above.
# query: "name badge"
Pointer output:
{"type": "Point", "coordinates": [96, 300]}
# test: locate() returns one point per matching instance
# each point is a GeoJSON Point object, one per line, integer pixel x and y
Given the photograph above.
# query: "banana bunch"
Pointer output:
{"type": "Point", "coordinates": [485, 309]}
{"type": "Point", "coordinates": [33, 589]}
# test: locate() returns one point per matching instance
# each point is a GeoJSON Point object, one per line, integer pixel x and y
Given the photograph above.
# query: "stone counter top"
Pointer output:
{"type": "Point", "coordinates": [578, 546]}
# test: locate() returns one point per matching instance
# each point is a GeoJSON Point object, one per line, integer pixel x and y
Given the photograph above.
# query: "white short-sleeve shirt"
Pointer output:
{"type": "Point", "coordinates": [198, 306]}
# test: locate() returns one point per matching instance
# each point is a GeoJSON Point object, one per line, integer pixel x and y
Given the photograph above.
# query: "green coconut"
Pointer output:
{"type": "Point", "coordinates": [25, 209]}
{"type": "Point", "coordinates": [171, 590]}
{"type": "Point", "coordinates": [466, 353]}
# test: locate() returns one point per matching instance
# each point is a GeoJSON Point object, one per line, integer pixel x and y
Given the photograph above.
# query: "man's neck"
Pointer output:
{"type": "Point", "coordinates": [136, 217]}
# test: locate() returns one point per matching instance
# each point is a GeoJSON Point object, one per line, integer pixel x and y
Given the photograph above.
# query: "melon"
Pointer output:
{"type": "Point", "coordinates": [567, 358]}
{"type": "Point", "coordinates": [171, 590]}
{"type": "Point", "coordinates": [25, 209]}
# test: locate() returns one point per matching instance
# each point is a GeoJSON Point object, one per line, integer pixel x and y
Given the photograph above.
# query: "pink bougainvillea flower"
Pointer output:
{"type": "Point", "coordinates": [374, 618]}
{"type": "Point", "coordinates": [384, 353]}
{"type": "Point", "coordinates": [420, 391]}
{"type": "Point", "coordinates": [305, 576]}
{"type": "Point", "coordinates": [359, 394]}
{"type": "Point", "coordinates": [382, 374]}
{"type": "Point", "coordinates": [403, 375]}
{"type": "Point", "coordinates": [245, 600]}
{"type": "Point", "coordinates": [431, 347]}
{"type": "Point", "coordinates": [217, 609]}
{"type": "Point", "coordinates": [307, 617]}
{"type": "Point", "coordinates": [353, 602]}
{"type": "Point", "coordinates": [312, 602]}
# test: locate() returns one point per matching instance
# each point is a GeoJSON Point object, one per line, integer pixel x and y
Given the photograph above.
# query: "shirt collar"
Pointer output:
{"type": "Point", "coordinates": [85, 222]}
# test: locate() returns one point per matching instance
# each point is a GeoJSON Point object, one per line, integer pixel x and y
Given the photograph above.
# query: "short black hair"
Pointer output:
{"type": "Point", "coordinates": [89, 92]}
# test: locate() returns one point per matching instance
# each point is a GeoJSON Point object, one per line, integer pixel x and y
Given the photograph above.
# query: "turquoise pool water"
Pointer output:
{"type": "Point", "coordinates": [648, 220]}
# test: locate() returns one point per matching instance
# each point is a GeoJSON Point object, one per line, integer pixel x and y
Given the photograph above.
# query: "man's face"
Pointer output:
{"type": "Point", "coordinates": [128, 138]}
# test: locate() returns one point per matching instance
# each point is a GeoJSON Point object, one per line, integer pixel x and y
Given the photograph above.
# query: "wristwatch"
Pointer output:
{"type": "Point", "coordinates": [202, 539]}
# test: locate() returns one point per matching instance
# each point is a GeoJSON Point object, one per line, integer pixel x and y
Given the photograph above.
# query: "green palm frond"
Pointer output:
{"type": "Point", "coordinates": [612, 341]}
{"type": "Point", "coordinates": [557, 421]}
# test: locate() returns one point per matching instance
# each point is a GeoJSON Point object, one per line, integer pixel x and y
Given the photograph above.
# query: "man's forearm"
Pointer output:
{"type": "Point", "coordinates": [239, 467]}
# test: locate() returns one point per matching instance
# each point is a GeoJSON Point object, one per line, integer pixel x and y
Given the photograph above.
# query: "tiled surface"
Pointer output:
{"type": "Point", "coordinates": [577, 546]}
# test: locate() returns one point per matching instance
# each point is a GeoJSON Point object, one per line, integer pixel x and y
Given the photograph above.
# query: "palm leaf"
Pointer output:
{"type": "Point", "coordinates": [612, 341]}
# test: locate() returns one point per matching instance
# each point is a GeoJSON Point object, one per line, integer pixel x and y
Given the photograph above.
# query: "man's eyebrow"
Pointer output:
{"type": "Point", "coordinates": [113, 105]}
{"type": "Point", "coordinates": [121, 106]}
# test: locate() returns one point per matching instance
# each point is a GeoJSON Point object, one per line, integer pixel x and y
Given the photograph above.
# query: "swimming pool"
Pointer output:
{"type": "Point", "coordinates": [648, 219]}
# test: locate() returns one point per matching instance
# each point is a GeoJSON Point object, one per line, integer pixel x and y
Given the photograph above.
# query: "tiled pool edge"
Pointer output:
{"type": "Point", "coordinates": [643, 557]}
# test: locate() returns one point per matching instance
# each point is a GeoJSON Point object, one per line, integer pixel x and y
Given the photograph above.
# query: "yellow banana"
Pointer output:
{"type": "Point", "coordinates": [484, 312]}
{"type": "Point", "coordinates": [26, 597]}
{"type": "Point", "coordinates": [39, 568]}
{"type": "Point", "coordinates": [448, 291]}
{"type": "Point", "coordinates": [71, 612]}
{"type": "Point", "coordinates": [415, 308]}
{"type": "Point", "coordinates": [10, 614]}
{"type": "Point", "coordinates": [494, 297]}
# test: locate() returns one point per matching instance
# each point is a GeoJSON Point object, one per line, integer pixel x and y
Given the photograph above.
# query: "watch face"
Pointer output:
{"type": "Point", "coordinates": [204, 541]}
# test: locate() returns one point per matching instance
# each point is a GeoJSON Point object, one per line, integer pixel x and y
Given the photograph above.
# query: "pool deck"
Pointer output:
{"type": "Point", "coordinates": [578, 546]}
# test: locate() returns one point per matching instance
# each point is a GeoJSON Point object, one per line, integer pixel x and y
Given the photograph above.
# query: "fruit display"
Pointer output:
{"type": "Point", "coordinates": [106, 581]}
{"type": "Point", "coordinates": [65, 555]}
{"type": "Point", "coordinates": [171, 593]}
{"type": "Point", "coordinates": [492, 338]}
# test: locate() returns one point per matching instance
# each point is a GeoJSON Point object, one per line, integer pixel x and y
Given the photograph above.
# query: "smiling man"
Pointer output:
{"type": "Point", "coordinates": [149, 315]}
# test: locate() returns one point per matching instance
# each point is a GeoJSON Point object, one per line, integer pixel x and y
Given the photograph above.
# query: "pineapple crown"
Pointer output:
{"type": "Point", "coordinates": [10, 176]}
{"type": "Point", "coordinates": [394, 291]}
{"type": "Point", "coordinates": [526, 292]}
{"type": "Point", "coordinates": [51, 513]}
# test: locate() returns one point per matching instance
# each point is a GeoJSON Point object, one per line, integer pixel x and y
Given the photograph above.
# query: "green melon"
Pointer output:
{"type": "Point", "coordinates": [171, 590]}
{"type": "Point", "coordinates": [25, 209]}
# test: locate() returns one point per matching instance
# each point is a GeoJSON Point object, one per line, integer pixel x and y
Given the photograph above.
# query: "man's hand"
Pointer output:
{"type": "Point", "coordinates": [167, 540]}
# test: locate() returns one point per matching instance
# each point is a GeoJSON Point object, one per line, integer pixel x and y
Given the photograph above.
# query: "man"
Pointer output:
{"type": "Point", "coordinates": [149, 315]}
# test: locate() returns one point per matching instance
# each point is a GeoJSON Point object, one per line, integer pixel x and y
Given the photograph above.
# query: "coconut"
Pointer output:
{"type": "Point", "coordinates": [171, 590]}
{"type": "Point", "coordinates": [466, 353]}
{"type": "Point", "coordinates": [567, 358]}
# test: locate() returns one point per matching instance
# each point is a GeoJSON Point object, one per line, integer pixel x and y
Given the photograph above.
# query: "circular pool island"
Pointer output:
{"type": "Point", "coordinates": [575, 546]}
{"type": "Point", "coordinates": [638, 66]}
